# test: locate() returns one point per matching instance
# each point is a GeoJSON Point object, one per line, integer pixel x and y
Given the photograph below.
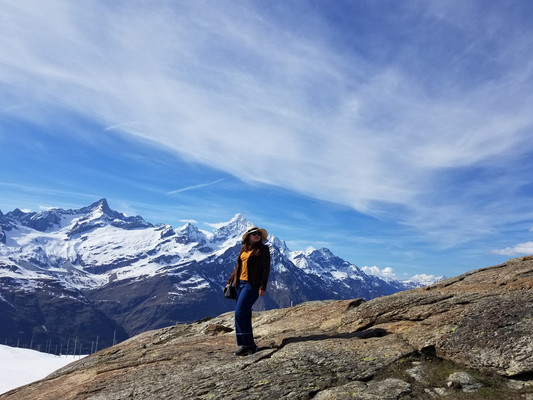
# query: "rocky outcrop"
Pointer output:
{"type": "Point", "coordinates": [463, 337]}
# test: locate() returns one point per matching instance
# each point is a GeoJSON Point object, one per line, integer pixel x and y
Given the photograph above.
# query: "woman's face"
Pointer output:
{"type": "Point", "coordinates": [254, 237]}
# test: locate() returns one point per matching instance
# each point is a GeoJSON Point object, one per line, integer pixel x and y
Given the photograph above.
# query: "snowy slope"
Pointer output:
{"type": "Point", "coordinates": [19, 367]}
{"type": "Point", "coordinates": [88, 248]}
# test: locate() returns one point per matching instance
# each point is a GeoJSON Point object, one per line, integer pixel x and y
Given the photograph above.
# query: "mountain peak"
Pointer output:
{"type": "Point", "coordinates": [100, 205]}
{"type": "Point", "coordinates": [103, 205]}
{"type": "Point", "coordinates": [237, 216]}
{"type": "Point", "coordinates": [239, 221]}
{"type": "Point", "coordinates": [99, 214]}
{"type": "Point", "coordinates": [232, 229]}
{"type": "Point", "coordinates": [40, 221]}
{"type": "Point", "coordinates": [17, 213]}
{"type": "Point", "coordinates": [324, 254]}
{"type": "Point", "coordinates": [190, 233]}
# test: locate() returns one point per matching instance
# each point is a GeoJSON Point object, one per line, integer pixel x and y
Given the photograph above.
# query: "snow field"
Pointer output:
{"type": "Point", "coordinates": [18, 367]}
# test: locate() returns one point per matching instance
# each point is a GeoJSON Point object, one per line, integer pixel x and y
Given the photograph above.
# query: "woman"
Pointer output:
{"type": "Point", "coordinates": [250, 277]}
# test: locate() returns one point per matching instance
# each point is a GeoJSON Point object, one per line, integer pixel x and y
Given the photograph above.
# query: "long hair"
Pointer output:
{"type": "Point", "coordinates": [247, 246]}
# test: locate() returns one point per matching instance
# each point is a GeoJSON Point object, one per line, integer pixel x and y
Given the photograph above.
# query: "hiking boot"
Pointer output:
{"type": "Point", "coordinates": [246, 350]}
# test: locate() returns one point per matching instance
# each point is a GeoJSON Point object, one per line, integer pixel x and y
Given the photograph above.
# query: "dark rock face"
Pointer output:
{"type": "Point", "coordinates": [467, 336]}
{"type": "Point", "coordinates": [5, 225]}
{"type": "Point", "coordinates": [51, 319]}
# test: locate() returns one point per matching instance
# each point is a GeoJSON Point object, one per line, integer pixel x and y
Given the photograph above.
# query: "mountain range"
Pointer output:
{"type": "Point", "coordinates": [80, 280]}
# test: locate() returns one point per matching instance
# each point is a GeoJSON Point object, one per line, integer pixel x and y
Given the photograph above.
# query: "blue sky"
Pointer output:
{"type": "Point", "coordinates": [398, 134]}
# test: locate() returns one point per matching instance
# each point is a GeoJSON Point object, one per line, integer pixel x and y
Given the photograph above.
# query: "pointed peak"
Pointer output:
{"type": "Point", "coordinates": [233, 229]}
{"type": "Point", "coordinates": [238, 216]}
{"type": "Point", "coordinates": [238, 219]}
{"type": "Point", "coordinates": [190, 233]}
{"type": "Point", "coordinates": [280, 244]}
{"type": "Point", "coordinates": [102, 205]}
{"type": "Point", "coordinates": [189, 226]}
{"type": "Point", "coordinates": [327, 252]}
{"type": "Point", "coordinates": [17, 212]}
{"type": "Point", "coordinates": [322, 252]}
{"type": "Point", "coordinates": [309, 250]}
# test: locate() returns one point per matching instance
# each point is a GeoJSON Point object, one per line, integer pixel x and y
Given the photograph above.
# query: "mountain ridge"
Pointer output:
{"type": "Point", "coordinates": [128, 275]}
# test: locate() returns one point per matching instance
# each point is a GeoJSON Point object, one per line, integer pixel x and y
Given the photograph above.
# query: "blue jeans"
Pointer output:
{"type": "Point", "coordinates": [246, 297]}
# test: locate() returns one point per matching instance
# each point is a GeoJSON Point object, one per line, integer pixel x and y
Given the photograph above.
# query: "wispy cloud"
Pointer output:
{"type": "Point", "coordinates": [194, 187]}
{"type": "Point", "coordinates": [189, 221]}
{"type": "Point", "coordinates": [228, 85]}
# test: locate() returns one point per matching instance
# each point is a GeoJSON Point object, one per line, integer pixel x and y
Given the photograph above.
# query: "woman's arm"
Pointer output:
{"type": "Point", "coordinates": [265, 269]}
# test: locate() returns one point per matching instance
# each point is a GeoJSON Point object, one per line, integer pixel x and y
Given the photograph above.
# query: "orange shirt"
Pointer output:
{"type": "Point", "coordinates": [245, 255]}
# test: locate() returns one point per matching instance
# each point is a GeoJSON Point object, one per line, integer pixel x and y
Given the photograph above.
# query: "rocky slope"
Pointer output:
{"type": "Point", "coordinates": [468, 337]}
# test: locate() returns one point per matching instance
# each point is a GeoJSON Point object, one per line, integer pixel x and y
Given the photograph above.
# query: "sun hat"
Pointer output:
{"type": "Point", "coordinates": [263, 232]}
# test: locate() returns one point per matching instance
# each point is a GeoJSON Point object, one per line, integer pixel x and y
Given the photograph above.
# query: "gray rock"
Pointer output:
{"type": "Point", "coordinates": [516, 385]}
{"type": "Point", "coordinates": [463, 381]}
{"type": "Point", "coordinates": [435, 393]}
{"type": "Point", "coordinates": [417, 373]}
{"type": "Point", "coordinates": [441, 391]}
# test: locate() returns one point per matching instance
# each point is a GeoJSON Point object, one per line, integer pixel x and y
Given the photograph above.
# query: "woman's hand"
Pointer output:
{"type": "Point", "coordinates": [261, 292]}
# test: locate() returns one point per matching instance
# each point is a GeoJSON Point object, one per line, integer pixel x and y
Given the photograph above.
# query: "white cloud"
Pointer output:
{"type": "Point", "coordinates": [519, 249]}
{"type": "Point", "coordinates": [424, 279]}
{"type": "Point", "coordinates": [234, 94]}
{"type": "Point", "coordinates": [386, 272]}
{"type": "Point", "coordinates": [44, 208]}
{"type": "Point", "coordinates": [215, 225]}
{"type": "Point", "coordinates": [389, 273]}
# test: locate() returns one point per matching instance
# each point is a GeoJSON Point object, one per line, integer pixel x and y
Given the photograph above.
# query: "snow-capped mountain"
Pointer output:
{"type": "Point", "coordinates": [97, 276]}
